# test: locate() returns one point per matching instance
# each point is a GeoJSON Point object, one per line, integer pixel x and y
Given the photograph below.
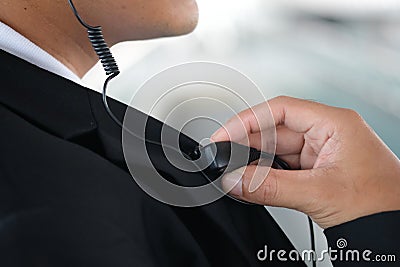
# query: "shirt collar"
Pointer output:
{"type": "Point", "coordinates": [14, 43]}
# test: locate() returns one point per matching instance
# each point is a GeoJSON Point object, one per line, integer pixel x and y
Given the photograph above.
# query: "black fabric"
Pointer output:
{"type": "Point", "coordinates": [379, 234]}
{"type": "Point", "coordinates": [67, 198]}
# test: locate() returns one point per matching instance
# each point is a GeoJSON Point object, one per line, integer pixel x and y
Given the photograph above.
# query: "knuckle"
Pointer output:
{"type": "Point", "coordinates": [270, 192]}
{"type": "Point", "coordinates": [350, 120]}
{"type": "Point", "coordinates": [351, 113]}
{"type": "Point", "coordinates": [281, 98]}
{"type": "Point", "coordinates": [246, 114]}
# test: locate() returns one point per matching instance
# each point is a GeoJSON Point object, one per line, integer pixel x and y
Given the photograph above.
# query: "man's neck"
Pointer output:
{"type": "Point", "coordinates": [58, 33]}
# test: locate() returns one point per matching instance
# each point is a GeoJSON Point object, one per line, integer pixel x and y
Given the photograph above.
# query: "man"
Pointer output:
{"type": "Point", "coordinates": [67, 196]}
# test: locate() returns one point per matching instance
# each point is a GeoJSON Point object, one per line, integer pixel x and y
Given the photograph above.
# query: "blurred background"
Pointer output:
{"type": "Point", "coordinates": [344, 53]}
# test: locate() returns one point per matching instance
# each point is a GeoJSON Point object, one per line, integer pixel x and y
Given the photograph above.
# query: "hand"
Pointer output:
{"type": "Point", "coordinates": [346, 172]}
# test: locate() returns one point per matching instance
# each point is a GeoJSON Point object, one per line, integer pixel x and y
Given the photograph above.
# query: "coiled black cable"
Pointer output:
{"type": "Point", "coordinates": [102, 50]}
{"type": "Point", "coordinates": [110, 66]}
{"type": "Point", "coordinates": [100, 46]}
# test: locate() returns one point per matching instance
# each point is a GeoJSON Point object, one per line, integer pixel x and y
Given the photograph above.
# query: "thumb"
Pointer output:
{"type": "Point", "coordinates": [279, 188]}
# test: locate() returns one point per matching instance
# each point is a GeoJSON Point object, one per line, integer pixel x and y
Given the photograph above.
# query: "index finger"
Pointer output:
{"type": "Point", "coordinates": [296, 114]}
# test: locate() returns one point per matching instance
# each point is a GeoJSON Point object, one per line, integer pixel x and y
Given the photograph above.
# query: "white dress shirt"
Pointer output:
{"type": "Point", "coordinates": [16, 44]}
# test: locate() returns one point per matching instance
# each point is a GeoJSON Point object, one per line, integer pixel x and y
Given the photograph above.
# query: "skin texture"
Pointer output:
{"type": "Point", "coordinates": [51, 24]}
{"type": "Point", "coordinates": [345, 170]}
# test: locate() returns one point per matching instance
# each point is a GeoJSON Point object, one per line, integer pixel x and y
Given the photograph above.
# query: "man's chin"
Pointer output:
{"type": "Point", "coordinates": [186, 23]}
{"type": "Point", "coordinates": [187, 28]}
{"type": "Point", "coordinates": [179, 22]}
{"type": "Point", "coordinates": [175, 29]}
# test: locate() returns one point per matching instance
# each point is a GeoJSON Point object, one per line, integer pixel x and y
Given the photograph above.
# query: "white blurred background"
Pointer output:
{"type": "Point", "coordinates": [344, 53]}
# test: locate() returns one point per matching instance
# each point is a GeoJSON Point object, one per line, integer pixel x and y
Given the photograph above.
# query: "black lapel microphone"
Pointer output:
{"type": "Point", "coordinates": [222, 157]}
{"type": "Point", "coordinates": [110, 66]}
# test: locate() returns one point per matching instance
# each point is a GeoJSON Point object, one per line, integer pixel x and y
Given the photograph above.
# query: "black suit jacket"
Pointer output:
{"type": "Point", "coordinates": [67, 198]}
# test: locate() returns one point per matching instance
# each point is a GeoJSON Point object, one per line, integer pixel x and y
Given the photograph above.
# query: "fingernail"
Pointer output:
{"type": "Point", "coordinates": [232, 183]}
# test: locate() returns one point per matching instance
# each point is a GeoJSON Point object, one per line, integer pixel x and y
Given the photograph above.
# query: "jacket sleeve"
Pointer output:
{"type": "Point", "coordinates": [369, 241]}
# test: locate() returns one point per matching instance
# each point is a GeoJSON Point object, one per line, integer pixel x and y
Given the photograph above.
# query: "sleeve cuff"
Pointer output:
{"type": "Point", "coordinates": [375, 239]}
